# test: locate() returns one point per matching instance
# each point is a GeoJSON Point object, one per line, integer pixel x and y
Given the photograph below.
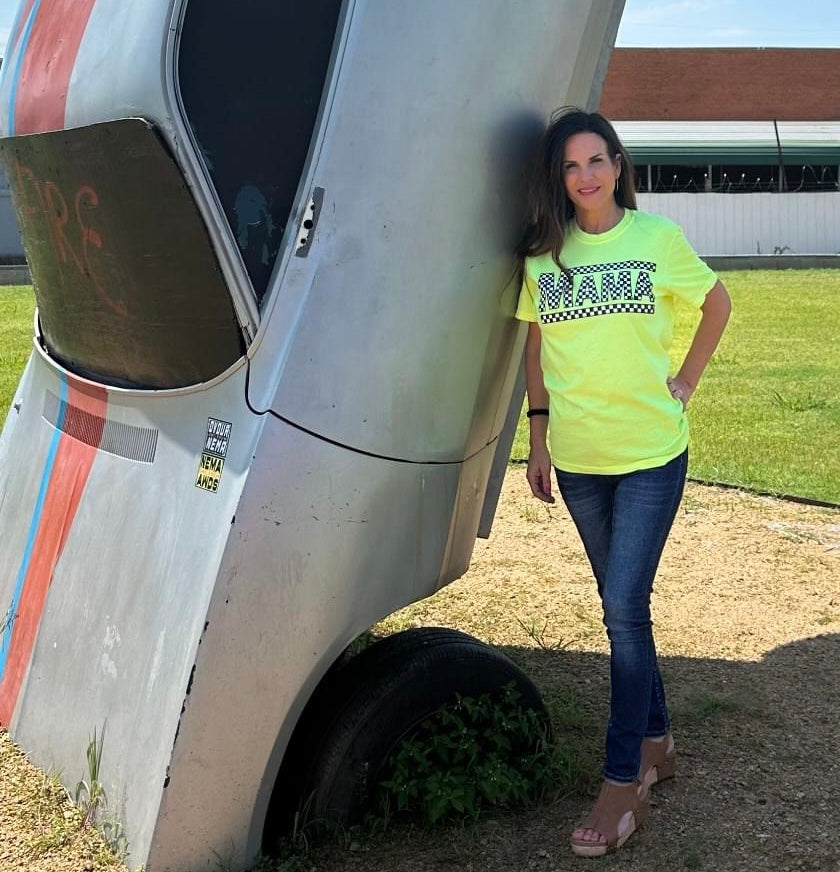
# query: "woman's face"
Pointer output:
{"type": "Point", "coordinates": [589, 173]}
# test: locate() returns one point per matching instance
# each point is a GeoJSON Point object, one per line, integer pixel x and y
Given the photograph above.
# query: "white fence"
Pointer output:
{"type": "Point", "coordinates": [10, 242]}
{"type": "Point", "coordinates": [717, 224]}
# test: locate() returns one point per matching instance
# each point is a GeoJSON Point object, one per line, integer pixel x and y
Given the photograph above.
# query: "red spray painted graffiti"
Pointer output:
{"type": "Point", "coordinates": [73, 237]}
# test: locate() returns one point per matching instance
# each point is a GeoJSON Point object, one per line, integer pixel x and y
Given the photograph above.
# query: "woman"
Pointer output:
{"type": "Point", "coordinates": [600, 282]}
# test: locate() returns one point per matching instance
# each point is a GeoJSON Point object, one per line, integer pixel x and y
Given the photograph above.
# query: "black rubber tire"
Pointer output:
{"type": "Point", "coordinates": [378, 697]}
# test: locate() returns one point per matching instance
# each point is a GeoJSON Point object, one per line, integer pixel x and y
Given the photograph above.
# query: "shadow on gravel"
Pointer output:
{"type": "Point", "coordinates": [758, 784]}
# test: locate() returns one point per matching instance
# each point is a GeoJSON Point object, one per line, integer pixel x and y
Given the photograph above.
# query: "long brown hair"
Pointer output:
{"type": "Point", "coordinates": [549, 209]}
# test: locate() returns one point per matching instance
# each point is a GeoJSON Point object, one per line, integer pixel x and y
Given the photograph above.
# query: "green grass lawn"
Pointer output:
{"type": "Point", "coordinates": [767, 413]}
{"type": "Point", "coordinates": [17, 305]}
{"type": "Point", "coordinates": [766, 416]}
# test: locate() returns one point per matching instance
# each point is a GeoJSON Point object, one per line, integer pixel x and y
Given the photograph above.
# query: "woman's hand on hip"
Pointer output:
{"type": "Point", "coordinates": [680, 389]}
{"type": "Point", "coordinates": [539, 474]}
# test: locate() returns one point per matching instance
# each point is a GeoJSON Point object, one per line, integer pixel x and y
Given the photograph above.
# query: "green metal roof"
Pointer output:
{"type": "Point", "coordinates": [697, 143]}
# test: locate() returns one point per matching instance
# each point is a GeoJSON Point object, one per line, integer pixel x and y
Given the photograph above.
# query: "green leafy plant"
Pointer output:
{"type": "Point", "coordinates": [90, 795]}
{"type": "Point", "coordinates": [113, 832]}
{"type": "Point", "coordinates": [288, 864]}
{"type": "Point", "coordinates": [470, 755]}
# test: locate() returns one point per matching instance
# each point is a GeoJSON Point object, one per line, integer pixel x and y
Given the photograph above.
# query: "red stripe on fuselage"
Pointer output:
{"type": "Point", "coordinates": [48, 63]}
{"type": "Point", "coordinates": [73, 462]}
{"type": "Point", "coordinates": [14, 36]}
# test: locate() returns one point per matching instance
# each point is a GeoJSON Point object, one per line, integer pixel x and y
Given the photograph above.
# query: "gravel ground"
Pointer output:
{"type": "Point", "coordinates": [747, 620]}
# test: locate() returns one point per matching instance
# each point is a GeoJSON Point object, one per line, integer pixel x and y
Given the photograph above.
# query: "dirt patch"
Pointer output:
{"type": "Point", "coordinates": [747, 621]}
{"type": "Point", "coordinates": [40, 829]}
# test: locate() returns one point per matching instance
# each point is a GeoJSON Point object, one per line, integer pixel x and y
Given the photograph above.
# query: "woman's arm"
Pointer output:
{"type": "Point", "coordinates": [539, 461]}
{"type": "Point", "coordinates": [716, 308]}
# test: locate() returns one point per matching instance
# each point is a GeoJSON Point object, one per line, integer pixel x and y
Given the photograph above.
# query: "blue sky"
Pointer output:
{"type": "Point", "coordinates": [7, 15]}
{"type": "Point", "coordinates": [814, 23]}
{"type": "Point", "coordinates": [685, 23]}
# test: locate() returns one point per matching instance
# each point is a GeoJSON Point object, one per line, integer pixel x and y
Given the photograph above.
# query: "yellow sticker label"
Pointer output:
{"type": "Point", "coordinates": [212, 462]}
{"type": "Point", "coordinates": [209, 472]}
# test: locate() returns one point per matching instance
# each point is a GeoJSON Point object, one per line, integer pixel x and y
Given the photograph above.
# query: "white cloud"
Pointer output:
{"type": "Point", "coordinates": [656, 12]}
{"type": "Point", "coordinates": [729, 22]}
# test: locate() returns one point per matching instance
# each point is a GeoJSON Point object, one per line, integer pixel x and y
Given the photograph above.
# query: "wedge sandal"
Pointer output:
{"type": "Point", "coordinates": [619, 811]}
{"type": "Point", "coordinates": [659, 761]}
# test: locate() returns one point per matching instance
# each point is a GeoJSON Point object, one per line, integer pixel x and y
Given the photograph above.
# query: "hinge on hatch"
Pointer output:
{"type": "Point", "coordinates": [307, 225]}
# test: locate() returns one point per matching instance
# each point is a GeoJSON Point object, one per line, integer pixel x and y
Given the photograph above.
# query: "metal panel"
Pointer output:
{"type": "Point", "coordinates": [109, 78]}
{"type": "Point", "coordinates": [760, 223]}
{"type": "Point", "coordinates": [420, 180]}
{"type": "Point", "coordinates": [317, 553]}
{"type": "Point", "coordinates": [392, 342]}
{"type": "Point", "coordinates": [136, 571]}
{"type": "Point", "coordinates": [123, 68]}
{"type": "Point", "coordinates": [585, 91]}
{"type": "Point", "coordinates": [693, 143]}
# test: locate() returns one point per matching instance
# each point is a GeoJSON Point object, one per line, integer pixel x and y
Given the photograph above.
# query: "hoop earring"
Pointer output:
{"type": "Point", "coordinates": [616, 185]}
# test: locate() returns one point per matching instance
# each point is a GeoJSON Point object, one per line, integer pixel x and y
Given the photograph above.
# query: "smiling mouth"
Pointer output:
{"type": "Point", "coordinates": [588, 190]}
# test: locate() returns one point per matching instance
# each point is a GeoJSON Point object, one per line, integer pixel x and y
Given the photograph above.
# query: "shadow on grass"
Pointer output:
{"type": "Point", "coordinates": [758, 784]}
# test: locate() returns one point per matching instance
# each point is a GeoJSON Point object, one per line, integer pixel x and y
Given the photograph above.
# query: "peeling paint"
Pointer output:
{"type": "Point", "coordinates": [109, 667]}
{"type": "Point", "coordinates": [111, 641]}
{"type": "Point", "coordinates": [157, 656]}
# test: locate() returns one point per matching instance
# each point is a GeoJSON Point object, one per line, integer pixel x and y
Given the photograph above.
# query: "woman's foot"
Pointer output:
{"type": "Point", "coordinates": [659, 760]}
{"type": "Point", "coordinates": [619, 810]}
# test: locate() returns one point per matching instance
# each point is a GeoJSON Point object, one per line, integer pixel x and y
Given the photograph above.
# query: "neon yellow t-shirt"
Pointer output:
{"type": "Point", "coordinates": [605, 340]}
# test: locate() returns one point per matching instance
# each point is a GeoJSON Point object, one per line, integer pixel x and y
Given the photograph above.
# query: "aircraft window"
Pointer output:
{"type": "Point", "coordinates": [251, 85]}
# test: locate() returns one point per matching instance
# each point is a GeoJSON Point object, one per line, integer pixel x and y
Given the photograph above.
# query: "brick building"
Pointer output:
{"type": "Point", "coordinates": [722, 84]}
{"type": "Point", "coordinates": [702, 124]}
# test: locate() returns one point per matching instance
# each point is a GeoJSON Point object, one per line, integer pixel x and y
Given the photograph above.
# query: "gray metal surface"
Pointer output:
{"type": "Point", "coordinates": [584, 90]}
{"type": "Point", "coordinates": [421, 169]}
{"type": "Point", "coordinates": [193, 624]}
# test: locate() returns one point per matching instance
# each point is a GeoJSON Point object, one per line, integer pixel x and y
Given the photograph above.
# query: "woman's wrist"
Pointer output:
{"type": "Point", "coordinates": [538, 434]}
{"type": "Point", "coordinates": [689, 381]}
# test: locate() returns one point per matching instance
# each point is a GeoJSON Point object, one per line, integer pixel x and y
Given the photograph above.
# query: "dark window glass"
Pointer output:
{"type": "Point", "coordinates": [251, 76]}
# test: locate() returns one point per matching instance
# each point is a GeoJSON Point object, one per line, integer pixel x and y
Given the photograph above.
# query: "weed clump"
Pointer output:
{"type": "Point", "coordinates": [472, 755]}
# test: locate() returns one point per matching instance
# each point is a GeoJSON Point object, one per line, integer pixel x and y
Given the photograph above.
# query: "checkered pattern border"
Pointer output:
{"type": "Point", "coordinates": [646, 265]}
{"type": "Point", "coordinates": [590, 311]}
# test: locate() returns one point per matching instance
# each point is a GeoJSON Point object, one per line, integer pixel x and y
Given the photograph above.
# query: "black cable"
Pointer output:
{"type": "Point", "coordinates": [374, 455]}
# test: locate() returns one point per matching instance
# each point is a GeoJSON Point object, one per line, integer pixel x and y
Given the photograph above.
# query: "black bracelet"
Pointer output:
{"type": "Point", "coordinates": [532, 412]}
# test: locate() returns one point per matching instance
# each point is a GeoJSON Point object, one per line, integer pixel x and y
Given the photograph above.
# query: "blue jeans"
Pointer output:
{"type": "Point", "coordinates": [624, 521]}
